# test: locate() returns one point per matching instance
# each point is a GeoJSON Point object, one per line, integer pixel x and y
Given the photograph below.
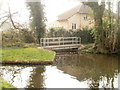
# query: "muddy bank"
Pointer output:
{"type": "Point", "coordinates": [26, 62]}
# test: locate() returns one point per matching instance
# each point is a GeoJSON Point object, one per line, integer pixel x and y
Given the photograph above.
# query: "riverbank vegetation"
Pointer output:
{"type": "Point", "coordinates": [106, 28]}
{"type": "Point", "coordinates": [87, 48]}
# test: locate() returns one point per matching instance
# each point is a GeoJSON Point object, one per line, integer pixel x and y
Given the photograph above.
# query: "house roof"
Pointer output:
{"type": "Point", "coordinates": [83, 9]}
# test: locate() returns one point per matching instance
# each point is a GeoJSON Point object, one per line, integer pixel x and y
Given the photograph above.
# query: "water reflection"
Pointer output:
{"type": "Point", "coordinates": [37, 78]}
{"type": "Point", "coordinates": [99, 70]}
{"type": "Point", "coordinates": [69, 70]}
{"type": "Point", "coordinates": [17, 75]}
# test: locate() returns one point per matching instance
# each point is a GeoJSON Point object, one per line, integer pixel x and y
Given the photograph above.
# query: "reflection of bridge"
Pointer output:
{"type": "Point", "coordinates": [59, 43]}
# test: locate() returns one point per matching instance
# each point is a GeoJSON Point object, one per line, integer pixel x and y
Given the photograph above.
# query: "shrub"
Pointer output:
{"type": "Point", "coordinates": [16, 38]}
{"type": "Point", "coordinates": [28, 36]}
{"type": "Point", "coordinates": [57, 32]}
{"type": "Point", "coordinates": [85, 34]}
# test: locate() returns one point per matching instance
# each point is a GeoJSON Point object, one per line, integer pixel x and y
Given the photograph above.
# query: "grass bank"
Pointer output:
{"type": "Point", "coordinates": [27, 55]}
{"type": "Point", "coordinates": [4, 84]}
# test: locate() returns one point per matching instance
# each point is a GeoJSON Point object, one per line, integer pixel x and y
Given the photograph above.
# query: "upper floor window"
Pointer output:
{"type": "Point", "coordinates": [73, 26]}
{"type": "Point", "coordinates": [85, 17]}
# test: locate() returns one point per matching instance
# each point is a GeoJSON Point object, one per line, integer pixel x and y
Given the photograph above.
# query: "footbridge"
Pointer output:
{"type": "Point", "coordinates": [60, 43]}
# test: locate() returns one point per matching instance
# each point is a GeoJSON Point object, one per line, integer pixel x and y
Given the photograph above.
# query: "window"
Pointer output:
{"type": "Point", "coordinates": [85, 17]}
{"type": "Point", "coordinates": [73, 26]}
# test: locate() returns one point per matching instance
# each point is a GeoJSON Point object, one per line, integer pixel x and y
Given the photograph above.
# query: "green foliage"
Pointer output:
{"type": "Point", "coordinates": [106, 31]}
{"type": "Point", "coordinates": [17, 38]}
{"type": "Point", "coordinates": [28, 36]}
{"type": "Point", "coordinates": [26, 54]}
{"type": "Point", "coordinates": [12, 38]}
{"type": "Point", "coordinates": [111, 34]}
{"type": "Point", "coordinates": [87, 48]}
{"type": "Point", "coordinates": [57, 32]}
{"type": "Point", "coordinates": [37, 19]}
{"type": "Point", "coordinates": [85, 34]}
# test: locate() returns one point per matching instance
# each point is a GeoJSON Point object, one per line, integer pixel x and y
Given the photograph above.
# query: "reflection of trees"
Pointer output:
{"type": "Point", "coordinates": [12, 70]}
{"type": "Point", "coordinates": [37, 78]}
{"type": "Point", "coordinates": [119, 71]}
{"type": "Point", "coordinates": [91, 67]}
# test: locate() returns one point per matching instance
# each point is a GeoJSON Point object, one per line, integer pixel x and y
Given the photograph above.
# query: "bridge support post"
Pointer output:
{"type": "Point", "coordinates": [59, 40]}
{"type": "Point", "coordinates": [63, 40]}
{"type": "Point", "coordinates": [44, 42]}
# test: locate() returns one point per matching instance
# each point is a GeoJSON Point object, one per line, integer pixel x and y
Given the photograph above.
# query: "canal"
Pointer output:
{"type": "Point", "coordinates": [70, 70]}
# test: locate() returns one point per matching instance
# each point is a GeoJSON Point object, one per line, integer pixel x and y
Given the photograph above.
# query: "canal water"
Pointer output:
{"type": "Point", "coordinates": [70, 70]}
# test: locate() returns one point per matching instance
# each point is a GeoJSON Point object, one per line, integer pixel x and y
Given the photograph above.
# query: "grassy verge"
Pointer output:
{"type": "Point", "coordinates": [87, 48]}
{"type": "Point", "coordinates": [4, 84]}
{"type": "Point", "coordinates": [26, 55]}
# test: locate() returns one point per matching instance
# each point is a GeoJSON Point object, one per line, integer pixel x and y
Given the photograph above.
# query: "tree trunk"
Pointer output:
{"type": "Point", "coordinates": [98, 11]}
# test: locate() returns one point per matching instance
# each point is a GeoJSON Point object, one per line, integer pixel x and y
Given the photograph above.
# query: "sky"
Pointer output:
{"type": "Point", "coordinates": [56, 7]}
{"type": "Point", "coordinates": [53, 8]}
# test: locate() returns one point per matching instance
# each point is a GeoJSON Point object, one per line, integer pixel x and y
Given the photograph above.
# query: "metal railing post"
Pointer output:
{"type": "Point", "coordinates": [44, 42]}
{"type": "Point", "coordinates": [80, 40]}
{"type": "Point", "coordinates": [63, 41]}
{"type": "Point", "coordinates": [59, 41]}
{"type": "Point", "coordinates": [72, 40]}
{"type": "Point", "coordinates": [48, 42]}
{"type": "Point", "coordinates": [40, 42]}
{"type": "Point", "coordinates": [76, 40]}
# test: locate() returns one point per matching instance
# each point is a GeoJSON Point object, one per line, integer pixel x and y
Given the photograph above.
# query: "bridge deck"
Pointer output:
{"type": "Point", "coordinates": [63, 46]}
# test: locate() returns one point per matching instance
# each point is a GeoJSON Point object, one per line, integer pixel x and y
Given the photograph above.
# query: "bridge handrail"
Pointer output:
{"type": "Point", "coordinates": [60, 41]}
{"type": "Point", "coordinates": [60, 37]}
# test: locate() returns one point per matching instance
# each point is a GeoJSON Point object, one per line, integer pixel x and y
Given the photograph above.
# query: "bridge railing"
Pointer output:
{"type": "Point", "coordinates": [59, 41]}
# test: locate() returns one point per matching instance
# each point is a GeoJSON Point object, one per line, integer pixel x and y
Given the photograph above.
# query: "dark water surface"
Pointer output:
{"type": "Point", "coordinates": [69, 71]}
